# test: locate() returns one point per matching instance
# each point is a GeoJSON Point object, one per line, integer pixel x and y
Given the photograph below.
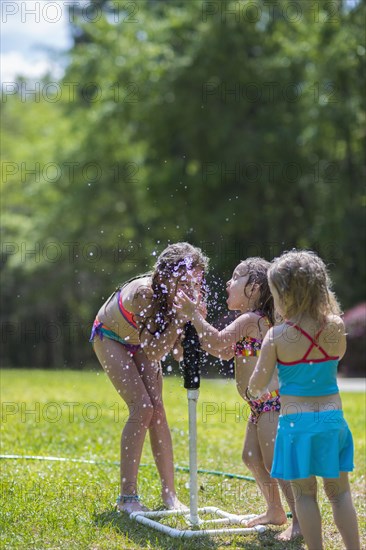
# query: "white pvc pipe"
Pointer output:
{"type": "Point", "coordinates": [232, 518]}
{"type": "Point", "coordinates": [146, 518]}
{"type": "Point", "coordinates": [186, 533]}
{"type": "Point", "coordinates": [193, 482]}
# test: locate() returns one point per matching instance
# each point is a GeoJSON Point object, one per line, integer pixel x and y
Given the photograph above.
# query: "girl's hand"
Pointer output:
{"type": "Point", "coordinates": [184, 305]}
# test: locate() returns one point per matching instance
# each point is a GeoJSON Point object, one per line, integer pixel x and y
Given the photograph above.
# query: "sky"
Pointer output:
{"type": "Point", "coordinates": [31, 31]}
{"type": "Point", "coordinates": [31, 34]}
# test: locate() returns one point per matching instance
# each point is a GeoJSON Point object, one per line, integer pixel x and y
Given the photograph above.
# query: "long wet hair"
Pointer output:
{"type": "Point", "coordinates": [257, 271]}
{"type": "Point", "coordinates": [303, 285]}
{"type": "Point", "coordinates": [175, 262]}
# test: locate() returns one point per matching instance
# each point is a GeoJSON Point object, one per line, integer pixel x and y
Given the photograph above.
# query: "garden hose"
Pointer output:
{"type": "Point", "coordinates": [115, 463]}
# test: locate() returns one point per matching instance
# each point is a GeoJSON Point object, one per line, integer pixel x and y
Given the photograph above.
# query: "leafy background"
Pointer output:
{"type": "Point", "coordinates": [240, 132]}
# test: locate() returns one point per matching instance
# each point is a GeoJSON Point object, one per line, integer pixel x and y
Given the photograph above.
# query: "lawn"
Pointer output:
{"type": "Point", "coordinates": [77, 415]}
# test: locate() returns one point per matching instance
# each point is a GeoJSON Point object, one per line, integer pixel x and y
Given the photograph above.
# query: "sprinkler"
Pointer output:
{"type": "Point", "coordinates": [192, 356]}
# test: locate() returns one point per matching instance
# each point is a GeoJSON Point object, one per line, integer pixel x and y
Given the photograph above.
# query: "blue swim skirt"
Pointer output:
{"type": "Point", "coordinates": [312, 444]}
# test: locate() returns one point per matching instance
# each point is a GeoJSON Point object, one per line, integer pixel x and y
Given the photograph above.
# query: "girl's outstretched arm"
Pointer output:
{"type": "Point", "coordinates": [213, 340]}
{"type": "Point", "coordinates": [265, 367]}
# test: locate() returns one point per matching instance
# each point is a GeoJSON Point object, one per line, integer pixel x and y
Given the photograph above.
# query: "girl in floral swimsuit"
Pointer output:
{"type": "Point", "coordinates": [248, 292]}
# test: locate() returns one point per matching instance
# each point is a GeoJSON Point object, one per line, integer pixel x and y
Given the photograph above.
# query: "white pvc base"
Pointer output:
{"type": "Point", "coordinates": [146, 518]}
{"type": "Point", "coordinates": [196, 524]}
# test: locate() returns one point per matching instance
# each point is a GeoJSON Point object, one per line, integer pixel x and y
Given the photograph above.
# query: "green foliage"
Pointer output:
{"type": "Point", "coordinates": [244, 135]}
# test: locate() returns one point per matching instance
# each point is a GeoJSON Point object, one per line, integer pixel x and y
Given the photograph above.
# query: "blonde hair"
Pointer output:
{"type": "Point", "coordinates": [304, 286]}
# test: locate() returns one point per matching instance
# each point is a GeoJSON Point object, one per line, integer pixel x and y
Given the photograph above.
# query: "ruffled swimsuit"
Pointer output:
{"type": "Point", "coordinates": [251, 347]}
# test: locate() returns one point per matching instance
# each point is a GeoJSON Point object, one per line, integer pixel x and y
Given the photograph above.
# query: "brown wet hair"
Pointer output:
{"type": "Point", "coordinates": [257, 271]}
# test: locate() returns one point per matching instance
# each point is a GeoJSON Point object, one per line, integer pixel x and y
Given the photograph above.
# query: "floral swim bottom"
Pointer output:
{"type": "Point", "coordinates": [258, 407]}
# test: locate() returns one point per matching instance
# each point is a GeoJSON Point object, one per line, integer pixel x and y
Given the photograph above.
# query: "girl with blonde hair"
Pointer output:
{"type": "Point", "coordinates": [313, 438]}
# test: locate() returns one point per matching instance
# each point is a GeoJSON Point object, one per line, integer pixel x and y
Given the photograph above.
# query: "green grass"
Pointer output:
{"type": "Point", "coordinates": [69, 505]}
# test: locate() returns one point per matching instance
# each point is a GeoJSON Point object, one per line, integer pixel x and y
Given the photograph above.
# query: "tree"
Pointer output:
{"type": "Point", "coordinates": [240, 131]}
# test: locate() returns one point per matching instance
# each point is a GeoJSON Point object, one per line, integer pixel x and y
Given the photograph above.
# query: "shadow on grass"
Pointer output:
{"type": "Point", "coordinates": [142, 536]}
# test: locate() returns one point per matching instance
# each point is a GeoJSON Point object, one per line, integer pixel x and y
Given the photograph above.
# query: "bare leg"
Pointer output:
{"type": "Point", "coordinates": [160, 437]}
{"type": "Point", "coordinates": [124, 375]}
{"type": "Point", "coordinates": [339, 493]}
{"type": "Point", "coordinates": [267, 430]}
{"type": "Point", "coordinates": [305, 493]}
{"type": "Point", "coordinates": [253, 459]}
{"type": "Point", "coordinates": [294, 529]}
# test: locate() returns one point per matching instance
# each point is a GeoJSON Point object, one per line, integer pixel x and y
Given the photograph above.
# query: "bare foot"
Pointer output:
{"type": "Point", "coordinates": [272, 518]}
{"type": "Point", "coordinates": [172, 503]}
{"type": "Point", "coordinates": [129, 507]}
{"type": "Point", "coordinates": [292, 532]}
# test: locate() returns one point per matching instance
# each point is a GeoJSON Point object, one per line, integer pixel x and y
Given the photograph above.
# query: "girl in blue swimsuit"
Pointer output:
{"type": "Point", "coordinates": [133, 331]}
{"type": "Point", "coordinates": [313, 438]}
